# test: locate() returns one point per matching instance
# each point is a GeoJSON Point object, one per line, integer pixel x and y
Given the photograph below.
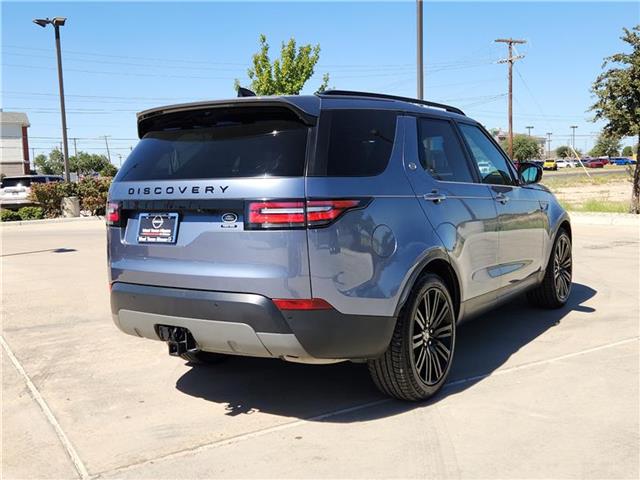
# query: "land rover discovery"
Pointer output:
{"type": "Point", "coordinates": [338, 226]}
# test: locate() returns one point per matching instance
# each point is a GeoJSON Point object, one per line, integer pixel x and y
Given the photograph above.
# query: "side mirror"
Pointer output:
{"type": "Point", "coordinates": [529, 172]}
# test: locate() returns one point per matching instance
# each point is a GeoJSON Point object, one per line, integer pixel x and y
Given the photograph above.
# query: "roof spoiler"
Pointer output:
{"type": "Point", "coordinates": [146, 118]}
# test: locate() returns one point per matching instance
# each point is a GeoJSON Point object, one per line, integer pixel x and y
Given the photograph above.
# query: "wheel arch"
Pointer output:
{"type": "Point", "coordinates": [437, 262]}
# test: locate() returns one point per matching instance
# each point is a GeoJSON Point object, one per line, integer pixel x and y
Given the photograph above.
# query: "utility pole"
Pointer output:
{"type": "Point", "coordinates": [75, 148]}
{"type": "Point", "coordinates": [529, 128]}
{"type": "Point", "coordinates": [573, 136]}
{"type": "Point", "coordinates": [106, 142]}
{"type": "Point", "coordinates": [510, 59]}
{"type": "Point", "coordinates": [120, 160]}
{"type": "Point", "coordinates": [419, 62]}
{"type": "Point", "coordinates": [58, 22]}
{"type": "Point", "coordinates": [549, 144]}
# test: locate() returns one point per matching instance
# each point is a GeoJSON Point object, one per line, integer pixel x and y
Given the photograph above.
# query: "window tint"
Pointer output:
{"type": "Point", "coordinates": [354, 142]}
{"type": "Point", "coordinates": [227, 144]}
{"type": "Point", "coordinates": [491, 163]}
{"type": "Point", "coordinates": [440, 151]}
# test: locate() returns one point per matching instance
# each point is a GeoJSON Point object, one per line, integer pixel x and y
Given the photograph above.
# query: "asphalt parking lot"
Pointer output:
{"type": "Point", "coordinates": [532, 394]}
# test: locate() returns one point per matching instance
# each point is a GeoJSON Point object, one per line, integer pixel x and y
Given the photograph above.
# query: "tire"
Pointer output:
{"type": "Point", "coordinates": [417, 361]}
{"type": "Point", "coordinates": [555, 289]}
{"type": "Point", "coordinates": [200, 357]}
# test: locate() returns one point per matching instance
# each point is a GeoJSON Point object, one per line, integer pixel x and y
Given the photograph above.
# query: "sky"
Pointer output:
{"type": "Point", "coordinates": [120, 58]}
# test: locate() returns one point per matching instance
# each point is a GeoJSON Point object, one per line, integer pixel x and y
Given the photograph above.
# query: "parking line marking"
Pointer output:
{"type": "Point", "coordinates": [35, 394]}
{"type": "Point", "coordinates": [540, 362]}
{"type": "Point", "coordinates": [258, 433]}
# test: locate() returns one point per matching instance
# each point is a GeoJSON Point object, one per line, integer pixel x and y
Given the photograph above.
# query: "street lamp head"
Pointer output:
{"type": "Point", "coordinates": [56, 21]}
{"type": "Point", "coordinates": [43, 22]}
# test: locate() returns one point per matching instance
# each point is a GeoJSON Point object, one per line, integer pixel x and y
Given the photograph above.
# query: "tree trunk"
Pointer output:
{"type": "Point", "coordinates": [635, 195]}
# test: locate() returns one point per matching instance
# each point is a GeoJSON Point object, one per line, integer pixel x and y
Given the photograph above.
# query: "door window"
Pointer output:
{"type": "Point", "coordinates": [492, 165]}
{"type": "Point", "coordinates": [440, 151]}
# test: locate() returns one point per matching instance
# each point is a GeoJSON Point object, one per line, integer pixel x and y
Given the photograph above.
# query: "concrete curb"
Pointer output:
{"type": "Point", "coordinates": [601, 218]}
{"type": "Point", "coordinates": [51, 220]}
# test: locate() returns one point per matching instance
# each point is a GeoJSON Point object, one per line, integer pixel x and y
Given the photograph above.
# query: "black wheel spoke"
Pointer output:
{"type": "Point", "coordinates": [442, 332]}
{"type": "Point", "coordinates": [420, 319]}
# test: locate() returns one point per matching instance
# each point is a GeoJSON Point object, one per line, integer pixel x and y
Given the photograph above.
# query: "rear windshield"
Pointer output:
{"type": "Point", "coordinates": [354, 143]}
{"type": "Point", "coordinates": [221, 144]}
{"type": "Point", "coordinates": [22, 181]}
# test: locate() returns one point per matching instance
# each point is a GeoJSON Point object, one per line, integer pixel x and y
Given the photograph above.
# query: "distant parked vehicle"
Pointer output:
{"type": "Point", "coordinates": [14, 191]}
{"type": "Point", "coordinates": [565, 163]}
{"type": "Point", "coordinates": [550, 165]}
{"type": "Point", "coordinates": [484, 167]}
{"type": "Point", "coordinates": [593, 163]}
{"type": "Point", "coordinates": [621, 161]}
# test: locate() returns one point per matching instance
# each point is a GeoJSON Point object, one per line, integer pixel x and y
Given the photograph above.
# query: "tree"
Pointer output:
{"type": "Point", "coordinates": [287, 74]}
{"type": "Point", "coordinates": [524, 147]}
{"type": "Point", "coordinates": [53, 164]}
{"type": "Point", "coordinates": [566, 151]}
{"type": "Point", "coordinates": [617, 92]}
{"type": "Point", "coordinates": [109, 170]}
{"type": "Point", "coordinates": [627, 151]}
{"type": "Point", "coordinates": [88, 163]}
{"type": "Point", "coordinates": [606, 146]}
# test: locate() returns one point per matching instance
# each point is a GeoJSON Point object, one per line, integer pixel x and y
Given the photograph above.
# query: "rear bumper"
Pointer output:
{"type": "Point", "coordinates": [249, 324]}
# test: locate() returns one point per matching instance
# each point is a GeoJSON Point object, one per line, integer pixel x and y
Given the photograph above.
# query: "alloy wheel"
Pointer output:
{"type": "Point", "coordinates": [432, 336]}
{"type": "Point", "coordinates": [562, 268]}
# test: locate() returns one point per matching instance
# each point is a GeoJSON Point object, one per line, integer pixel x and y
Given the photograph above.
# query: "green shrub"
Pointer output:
{"type": "Point", "coordinates": [31, 213]}
{"type": "Point", "coordinates": [93, 194]}
{"type": "Point", "coordinates": [8, 216]}
{"type": "Point", "coordinates": [50, 195]}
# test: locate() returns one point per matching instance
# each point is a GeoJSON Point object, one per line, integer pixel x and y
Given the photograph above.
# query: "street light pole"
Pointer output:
{"type": "Point", "coordinates": [529, 128]}
{"type": "Point", "coordinates": [549, 144]}
{"type": "Point", "coordinates": [419, 59]}
{"type": "Point", "coordinates": [573, 136]}
{"type": "Point", "coordinates": [57, 22]}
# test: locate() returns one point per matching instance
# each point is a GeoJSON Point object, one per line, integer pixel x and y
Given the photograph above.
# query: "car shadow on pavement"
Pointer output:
{"type": "Point", "coordinates": [249, 385]}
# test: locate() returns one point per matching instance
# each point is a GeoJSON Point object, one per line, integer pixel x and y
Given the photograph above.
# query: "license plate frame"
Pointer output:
{"type": "Point", "coordinates": [159, 228]}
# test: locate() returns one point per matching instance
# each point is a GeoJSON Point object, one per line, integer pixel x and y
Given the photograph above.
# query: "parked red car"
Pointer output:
{"type": "Point", "coordinates": [594, 163]}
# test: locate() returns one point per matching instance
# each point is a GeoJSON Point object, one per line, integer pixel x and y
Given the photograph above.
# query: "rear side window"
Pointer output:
{"type": "Point", "coordinates": [229, 143]}
{"type": "Point", "coordinates": [354, 143]}
{"type": "Point", "coordinates": [440, 151]}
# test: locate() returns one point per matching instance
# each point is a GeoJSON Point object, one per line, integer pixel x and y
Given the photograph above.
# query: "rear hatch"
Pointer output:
{"type": "Point", "coordinates": [211, 198]}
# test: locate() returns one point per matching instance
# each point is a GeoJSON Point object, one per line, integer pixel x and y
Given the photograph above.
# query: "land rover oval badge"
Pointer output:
{"type": "Point", "coordinates": [229, 217]}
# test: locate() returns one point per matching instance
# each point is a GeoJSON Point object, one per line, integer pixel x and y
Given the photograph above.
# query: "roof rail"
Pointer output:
{"type": "Point", "coordinates": [349, 93]}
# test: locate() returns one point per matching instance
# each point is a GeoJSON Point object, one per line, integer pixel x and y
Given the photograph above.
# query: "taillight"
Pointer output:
{"type": "Point", "coordinates": [276, 214]}
{"type": "Point", "coordinates": [297, 214]}
{"type": "Point", "coordinates": [113, 214]}
{"type": "Point", "coordinates": [302, 304]}
{"type": "Point", "coordinates": [323, 212]}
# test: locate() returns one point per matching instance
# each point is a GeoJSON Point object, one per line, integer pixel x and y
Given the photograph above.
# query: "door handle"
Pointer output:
{"type": "Point", "coordinates": [502, 198]}
{"type": "Point", "coordinates": [435, 197]}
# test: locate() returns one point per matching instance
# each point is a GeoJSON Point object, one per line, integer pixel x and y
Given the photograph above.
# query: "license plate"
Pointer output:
{"type": "Point", "coordinates": [158, 228]}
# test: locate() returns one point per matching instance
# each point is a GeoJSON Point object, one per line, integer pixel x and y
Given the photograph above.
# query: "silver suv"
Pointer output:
{"type": "Point", "coordinates": [317, 229]}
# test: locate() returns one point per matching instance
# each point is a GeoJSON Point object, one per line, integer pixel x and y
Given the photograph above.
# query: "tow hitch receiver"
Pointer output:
{"type": "Point", "coordinates": [179, 339]}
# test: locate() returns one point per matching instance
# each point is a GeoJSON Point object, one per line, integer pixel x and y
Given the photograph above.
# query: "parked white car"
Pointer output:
{"type": "Point", "coordinates": [14, 191]}
{"type": "Point", "coordinates": [565, 163]}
